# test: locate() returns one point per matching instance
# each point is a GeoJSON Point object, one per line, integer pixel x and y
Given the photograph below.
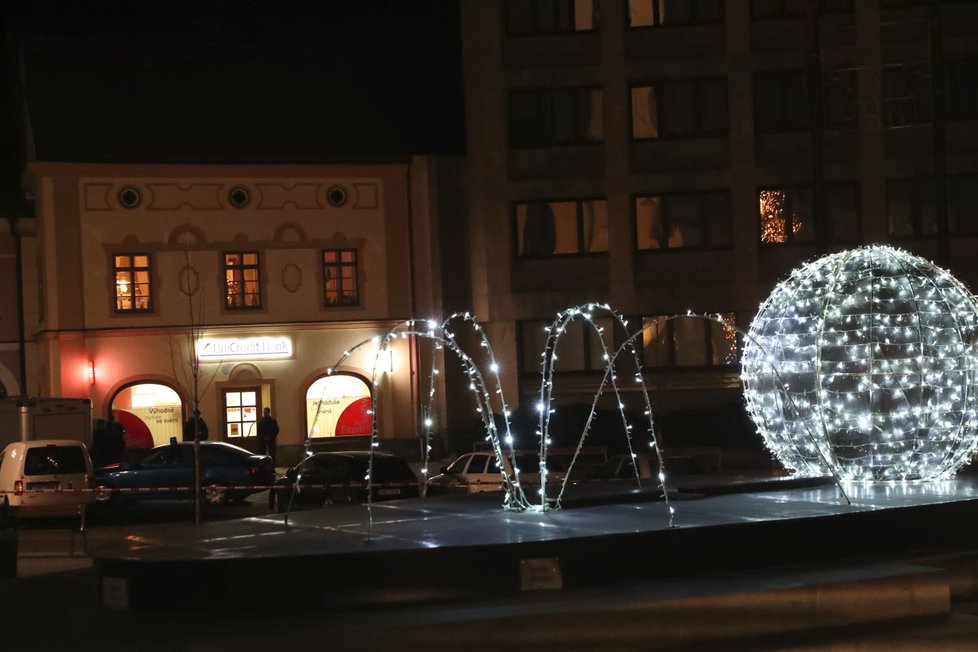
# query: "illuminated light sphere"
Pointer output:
{"type": "Point", "coordinates": [862, 365]}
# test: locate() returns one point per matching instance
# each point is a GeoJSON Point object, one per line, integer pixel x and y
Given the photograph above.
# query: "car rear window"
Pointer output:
{"type": "Point", "coordinates": [54, 460]}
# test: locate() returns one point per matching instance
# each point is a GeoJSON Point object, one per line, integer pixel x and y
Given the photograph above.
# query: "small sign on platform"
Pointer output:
{"type": "Point", "coordinates": [540, 574]}
{"type": "Point", "coordinates": [115, 593]}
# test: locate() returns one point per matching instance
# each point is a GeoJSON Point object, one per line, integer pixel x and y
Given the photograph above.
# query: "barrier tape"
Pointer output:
{"type": "Point", "coordinates": [236, 487]}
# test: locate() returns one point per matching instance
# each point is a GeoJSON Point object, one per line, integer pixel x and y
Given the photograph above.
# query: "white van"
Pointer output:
{"type": "Point", "coordinates": [47, 477]}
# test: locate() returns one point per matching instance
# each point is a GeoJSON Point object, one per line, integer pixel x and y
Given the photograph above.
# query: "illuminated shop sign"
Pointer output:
{"type": "Point", "coordinates": [246, 348]}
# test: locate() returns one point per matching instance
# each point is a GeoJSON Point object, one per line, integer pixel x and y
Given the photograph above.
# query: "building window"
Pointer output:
{"type": "Point", "coordinates": [241, 412]}
{"type": "Point", "coordinates": [910, 208]}
{"type": "Point", "coordinates": [133, 285]}
{"type": "Point", "coordinates": [561, 227]}
{"type": "Point", "coordinates": [654, 13]}
{"type": "Point", "coordinates": [840, 91]}
{"type": "Point", "coordinates": [340, 287]}
{"type": "Point", "coordinates": [961, 89]}
{"type": "Point", "coordinates": [241, 280]}
{"type": "Point", "coordinates": [781, 102]}
{"type": "Point", "coordinates": [578, 350]}
{"type": "Point", "coordinates": [962, 205]}
{"type": "Point", "coordinates": [680, 109]}
{"type": "Point", "coordinates": [794, 8]}
{"type": "Point", "coordinates": [787, 214]}
{"type": "Point", "coordinates": [683, 220]}
{"type": "Point", "coordinates": [554, 118]}
{"type": "Point", "coordinates": [689, 341]}
{"type": "Point", "coordinates": [906, 94]}
{"type": "Point", "coordinates": [540, 17]}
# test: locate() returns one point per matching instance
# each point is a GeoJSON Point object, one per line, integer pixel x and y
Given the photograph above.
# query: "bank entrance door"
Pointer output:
{"type": "Point", "coordinates": [241, 409]}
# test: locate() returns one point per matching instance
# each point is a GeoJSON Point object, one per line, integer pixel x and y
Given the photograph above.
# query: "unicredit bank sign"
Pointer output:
{"type": "Point", "coordinates": [243, 348]}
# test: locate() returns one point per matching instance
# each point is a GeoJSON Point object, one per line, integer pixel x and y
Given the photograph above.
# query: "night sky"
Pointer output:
{"type": "Point", "coordinates": [230, 81]}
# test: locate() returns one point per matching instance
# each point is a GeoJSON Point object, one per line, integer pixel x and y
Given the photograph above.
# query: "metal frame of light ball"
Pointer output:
{"type": "Point", "coordinates": [862, 365]}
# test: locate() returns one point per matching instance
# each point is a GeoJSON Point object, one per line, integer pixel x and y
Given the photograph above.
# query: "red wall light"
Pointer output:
{"type": "Point", "coordinates": [91, 372]}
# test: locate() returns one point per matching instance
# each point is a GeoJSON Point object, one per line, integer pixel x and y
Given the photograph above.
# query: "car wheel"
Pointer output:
{"type": "Point", "coordinates": [328, 500]}
{"type": "Point", "coordinates": [215, 494]}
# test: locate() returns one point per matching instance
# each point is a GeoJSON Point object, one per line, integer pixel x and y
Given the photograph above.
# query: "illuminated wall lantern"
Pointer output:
{"type": "Point", "coordinates": [863, 365]}
{"type": "Point", "coordinates": [91, 372]}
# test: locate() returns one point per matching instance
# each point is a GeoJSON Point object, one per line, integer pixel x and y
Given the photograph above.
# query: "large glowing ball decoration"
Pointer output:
{"type": "Point", "coordinates": [862, 364]}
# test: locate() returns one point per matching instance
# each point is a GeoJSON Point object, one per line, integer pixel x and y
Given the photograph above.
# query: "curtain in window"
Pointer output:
{"type": "Point", "coordinates": [539, 231]}
{"type": "Point", "coordinates": [645, 118]}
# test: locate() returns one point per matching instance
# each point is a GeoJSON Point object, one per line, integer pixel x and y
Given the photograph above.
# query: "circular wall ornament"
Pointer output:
{"type": "Point", "coordinates": [239, 197]}
{"type": "Point", "coordinates": [129, 197]}
{"type": "Point", "coordinates": [862, 365]}
{"type": "Point", "coordinates": [336, 195]}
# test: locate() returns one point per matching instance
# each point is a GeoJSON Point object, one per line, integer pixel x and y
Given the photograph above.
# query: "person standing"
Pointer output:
{"type": "Point", "coordinates": [195, 426]}
{"type": "Point", "coordinates": [267, 433]}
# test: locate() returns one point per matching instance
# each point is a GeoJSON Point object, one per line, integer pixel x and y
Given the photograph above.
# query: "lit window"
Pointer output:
{"type": "Point", "coordinates": [241, 413]}
{"type": "Point", "coordinates": [133, 288]}
{"type": "Point", "coordinates": [689, 341]}
{"type": "Point", "coordinates": [683, 220]}
{"type": "Point", "coordinates": [787, 214]}
{"type": "Point", "coordinates": [241, 280]}
{"type": "Point", "coordinates": [340, 286]}
{"type": "Point", "coordinates": [680, 109]}
{"type": "Point", "coordinates": [536, 17]}
{"type": "Point", "coordinates": [561, 227]}
{"type": "Point", "coordinates": [579, 348]}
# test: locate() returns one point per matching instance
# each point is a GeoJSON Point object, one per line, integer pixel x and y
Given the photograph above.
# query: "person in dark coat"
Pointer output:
{"type": "Point", "coordinates": [195, 425]}
{"type": "Point", "coordinates": [115, 441]}
{"type": "Point", "coordinates": [267, 433]}
{"type": "Point", "coordinates": [100, 443]}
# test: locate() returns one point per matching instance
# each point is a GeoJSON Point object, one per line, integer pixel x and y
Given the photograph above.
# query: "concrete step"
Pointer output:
{"type": "Point", "coordinates": [715, 610]}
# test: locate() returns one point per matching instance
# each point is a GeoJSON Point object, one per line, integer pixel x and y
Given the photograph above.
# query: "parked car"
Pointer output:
{"type": "Point", "coordinates": [620, 467]}
{"type": "Point", "coordinates": [478, 472]}
{"type": "Point", "coordinates": [47, 477]}
{"type": "Point", "coordinates": [167, 471]}
{"type": "Point", "coordinates": [329, 478]}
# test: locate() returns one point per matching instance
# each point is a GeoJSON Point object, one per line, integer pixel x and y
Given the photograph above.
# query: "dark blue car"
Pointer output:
{"type": "Point", "coordinates": [228, 473]}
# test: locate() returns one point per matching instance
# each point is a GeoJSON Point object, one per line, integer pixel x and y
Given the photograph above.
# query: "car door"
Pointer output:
{"type": "Point", "coordinates": [312, 478]}
{"type": "Point", "coordinates": [169, 468]}
{"type": "Point", "coordinates": [488, 476]}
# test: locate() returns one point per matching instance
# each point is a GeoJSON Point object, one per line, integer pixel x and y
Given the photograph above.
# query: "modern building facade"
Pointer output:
{"type": "Point", "coordinates": [666, 157]}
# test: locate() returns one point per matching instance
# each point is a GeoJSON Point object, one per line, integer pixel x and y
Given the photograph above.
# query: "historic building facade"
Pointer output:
{"type": "Point", "coordinates": [165, 288]}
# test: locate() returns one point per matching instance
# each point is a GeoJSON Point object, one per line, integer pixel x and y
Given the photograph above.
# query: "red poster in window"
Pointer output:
{"type": "Point", "coordinates": [355, 419]}
{"type": "Point", "coordinates": [137, 434]}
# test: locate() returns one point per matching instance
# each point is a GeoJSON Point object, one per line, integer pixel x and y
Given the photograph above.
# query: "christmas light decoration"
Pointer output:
{"type": "Point", "coordinates": [862, 365]}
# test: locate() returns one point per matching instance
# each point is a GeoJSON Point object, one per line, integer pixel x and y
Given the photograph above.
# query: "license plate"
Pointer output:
{"type": "Point", "coordinates": [388, 492]}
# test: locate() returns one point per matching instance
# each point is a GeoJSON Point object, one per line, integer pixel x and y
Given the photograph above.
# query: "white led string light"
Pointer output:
{"type": "Point", "coordinates": [862, 365]}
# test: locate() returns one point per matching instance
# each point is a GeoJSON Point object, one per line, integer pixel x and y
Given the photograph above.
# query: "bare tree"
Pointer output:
{"type": "Point", "coordinates": [186, 362]}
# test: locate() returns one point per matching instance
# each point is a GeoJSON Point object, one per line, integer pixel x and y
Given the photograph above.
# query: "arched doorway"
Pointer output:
{"type": "Point", "coordinates": [338, 406]}
{"type": "Point", "coordinates": [150, 413]}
